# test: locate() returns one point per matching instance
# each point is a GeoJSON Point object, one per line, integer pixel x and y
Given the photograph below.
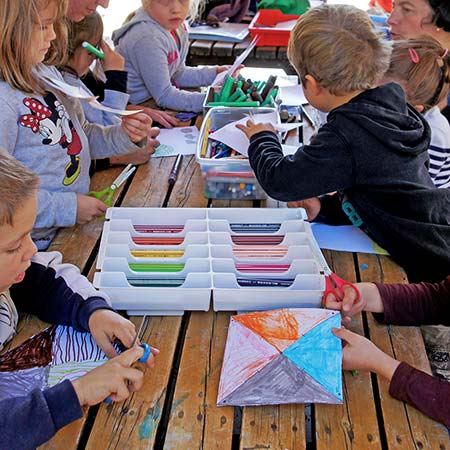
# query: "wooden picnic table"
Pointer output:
{"type": "Point", "coordinates": [176, 408]}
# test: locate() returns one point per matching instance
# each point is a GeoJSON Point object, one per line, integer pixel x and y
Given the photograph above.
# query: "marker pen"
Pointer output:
{"type": "Point", "coordinates": [95, 51]}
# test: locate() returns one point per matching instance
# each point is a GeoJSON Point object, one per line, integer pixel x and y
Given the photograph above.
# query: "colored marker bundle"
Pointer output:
{"type": "Point", "coordinates": [157, 253]}
{"type": "Point", "coordinates": [156, 282]}
{"type": "Point", "coordinates": [265, 282]}
{"type": "Point", "coordinates": [156, 267]}
{"type": "Point", "coordinates": [241, 92]}
{"type": "Point", "coordinates": [263, 268]}
{"type": "Point", "coordinates": [158, 228]}
{"type": "Point", "coordinates": [255, 227]}
{"type": "Point", "coordinates": [253, 251]}
{"type": "Point", "coordinates": [257, 240]}
{"type": "Point", "coordinates": [157, 241]}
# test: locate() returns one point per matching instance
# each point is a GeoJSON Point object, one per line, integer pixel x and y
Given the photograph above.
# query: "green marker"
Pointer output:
{"type": "Point", "coordinates": [95, 51]}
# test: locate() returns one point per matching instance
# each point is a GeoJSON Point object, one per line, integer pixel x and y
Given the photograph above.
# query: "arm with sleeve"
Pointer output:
{"type": "Point", "coordinates": [325, 165]}
{"type": "Point", "coordinates": [415, 304]}
{"type": "Point", "coordinates": [157, 79]}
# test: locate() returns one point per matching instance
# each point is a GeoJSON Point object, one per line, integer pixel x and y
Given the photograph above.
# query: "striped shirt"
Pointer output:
{"type": "Point", "coordinates": [439, 150]}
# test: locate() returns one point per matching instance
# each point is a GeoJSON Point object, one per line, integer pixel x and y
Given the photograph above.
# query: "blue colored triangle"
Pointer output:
{"type": "Point", "coordinates": [319, 354]}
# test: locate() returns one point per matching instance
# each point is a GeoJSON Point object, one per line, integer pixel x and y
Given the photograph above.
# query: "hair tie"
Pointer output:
{"type": "Point", "coordinates": [444, 54]}
{"type": "Point", "coordinates": [414, 55]}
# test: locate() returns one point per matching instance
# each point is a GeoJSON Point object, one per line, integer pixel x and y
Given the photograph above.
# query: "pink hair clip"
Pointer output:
{"type": "Point", "coordinates": [444, 54]}
{"type": "Point", "coordinates": [414, 55]}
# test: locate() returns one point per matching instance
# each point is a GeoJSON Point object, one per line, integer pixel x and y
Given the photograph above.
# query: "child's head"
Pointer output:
{"type": "Point", "coordinates": [170, 14]}
{"type": "Point", "coordinates": [28, 29]}
{"type": "Point", "coordinates": [90, 29]}
{"type": "Point", "coordinates": [339, 47]}
{"type": "Point", "coordinates": [422, 67]}
{"type": "Point", "coordinates": [18, 203]}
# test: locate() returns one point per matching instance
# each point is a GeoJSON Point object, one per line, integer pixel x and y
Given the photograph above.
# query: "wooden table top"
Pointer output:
{"type": "Point", "coordinates": [176, 408]}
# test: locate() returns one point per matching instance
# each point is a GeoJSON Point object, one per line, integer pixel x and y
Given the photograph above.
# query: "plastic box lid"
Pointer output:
{"type": "Point", "coordinates": [263, 25]}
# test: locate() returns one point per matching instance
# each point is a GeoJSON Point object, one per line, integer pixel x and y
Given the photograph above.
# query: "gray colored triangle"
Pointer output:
{"type": "Point", "coordinates": [280, 381]}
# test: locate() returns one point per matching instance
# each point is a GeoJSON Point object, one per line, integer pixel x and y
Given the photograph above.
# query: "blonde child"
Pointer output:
{"type": "Point", "coordinates": [422, 67]}
{"type": "Point", "coordinates": [372, 151]}
{"type": "Point", "coordinates": [155, 45]}
{"type": "Point", "coordinates": [47, 130]}
{"type": "Point", "coordinates": [39, 284]}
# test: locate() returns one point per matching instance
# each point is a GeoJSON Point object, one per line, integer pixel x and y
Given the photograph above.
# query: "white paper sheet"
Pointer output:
{"type": "Point", "coordinates": [292, 95]}
{"type": "Point", "coordinates": [178, 140]}
{"type": "Point", "coordinates": [237, 140]}
{"type": "Point", "coordinates": [345, 238]}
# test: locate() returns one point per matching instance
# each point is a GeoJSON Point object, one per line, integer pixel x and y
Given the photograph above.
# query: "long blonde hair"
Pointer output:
{"type": "Point", "coordinates": [17, 21]}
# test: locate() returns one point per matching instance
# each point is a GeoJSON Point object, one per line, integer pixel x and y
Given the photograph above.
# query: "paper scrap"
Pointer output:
{"type": "Point", "coordinates": [178, 140]}
{"type": "Point", "coordinates": [292, 95]}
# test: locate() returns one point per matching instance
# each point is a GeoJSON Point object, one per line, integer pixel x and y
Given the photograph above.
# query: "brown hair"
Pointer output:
{"type": "Point", "coordinates": [422, 67]}
{"type": "Point", "coordinates": [339, 47]}
{"type": "Point", "coordinates": [90, 29]}
{"type": "Point", "coordinates": [17, 21]}
{"type": "Point", "coordinates": [17, 183]}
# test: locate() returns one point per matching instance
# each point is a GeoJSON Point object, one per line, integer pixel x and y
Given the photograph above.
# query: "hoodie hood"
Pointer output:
{"type": "Point", "coordinates": [382, 112]}
{"type": "Point", "coordinates": [139, 17]}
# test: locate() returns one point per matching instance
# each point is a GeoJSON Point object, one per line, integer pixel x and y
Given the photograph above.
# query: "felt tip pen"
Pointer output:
{"type": "Point", "coordinates": [175, 169]}
{"type": "Point", "coordinates": [95, 51]}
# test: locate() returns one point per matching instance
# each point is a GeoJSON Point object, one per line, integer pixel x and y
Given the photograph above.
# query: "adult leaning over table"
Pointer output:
{"type": "Point", "coordinates": [414, 18]}
{"type": "Point", "coordinates": [79, 9]}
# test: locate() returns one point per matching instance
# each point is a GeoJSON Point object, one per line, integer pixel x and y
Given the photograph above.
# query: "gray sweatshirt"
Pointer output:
{"type": "Point", "coordinates": [50, 135]}
{"type": "Point", "coordinates": [156, 64]}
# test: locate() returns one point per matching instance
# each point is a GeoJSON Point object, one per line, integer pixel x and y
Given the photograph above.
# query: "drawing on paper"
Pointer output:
{"type": "Point", "coordinates": [56, 354]}
{"type": "Point", "coordinates": [282, 356]}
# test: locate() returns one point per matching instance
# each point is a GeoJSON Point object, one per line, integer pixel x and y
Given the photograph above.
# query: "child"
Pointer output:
{"type": "Point", "coordinates": [398, 304]}
{"type": "Point", "coordinates": [155, 45]}
{"type": "Point", "coordinates": [45, 129]}
{"type": "Point", "coordinates": [372, 150]}
{"type": "Point", "coordinates": [79, 60]}
{"type": "Point", "coordinates": [422, 67]}
{"type": "Point", "coordinates": [39, 284]}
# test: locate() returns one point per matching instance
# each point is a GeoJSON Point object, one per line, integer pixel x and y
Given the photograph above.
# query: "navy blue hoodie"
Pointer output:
{"type": "Point", "coordinates": [373, 152]}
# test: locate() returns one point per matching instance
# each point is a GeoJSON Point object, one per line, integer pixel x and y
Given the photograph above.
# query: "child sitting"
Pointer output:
{"type": "Point", "coordinates": [47, 130]}
{"type": "Point", "coordinates": [39, 284]}
{"type": "Point", "coordinates": [398, 304]}
{"type": "Point", "coordinates": [372, 150]}
{"type": "Point", "coordinates": [422, 67]}
{"type": "Point", "coordinates": [155, 45]}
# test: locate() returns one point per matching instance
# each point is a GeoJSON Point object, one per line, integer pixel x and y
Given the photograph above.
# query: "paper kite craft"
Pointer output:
{"type": "Point", "coordinates": [56, 354]}
{"type": "Point", "coordinates": [282, 356]}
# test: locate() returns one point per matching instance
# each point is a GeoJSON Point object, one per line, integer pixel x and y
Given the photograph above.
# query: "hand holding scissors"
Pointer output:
{"type": "Point", "coordinates": [340, 299]}
{"type": "Point", "coordinates": [106, 195]}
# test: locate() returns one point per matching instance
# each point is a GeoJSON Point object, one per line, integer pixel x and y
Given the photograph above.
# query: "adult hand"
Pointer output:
{"type": "Point", "coordinates": [88, 208]}
{"type": "Point", "coordinates": [311, 205]}
{"type": "Point", "coordinates": [166, 119]}
{"type": "Point", "coordinates": [113, 60]}
{"type": "Point", "coordinates": [251, 128]}
{"type": "Point", "coordinates": [359, 353]}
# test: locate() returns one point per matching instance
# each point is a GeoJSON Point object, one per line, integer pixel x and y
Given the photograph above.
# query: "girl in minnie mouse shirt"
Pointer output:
{"type": "Point", "coordinates": [45, 129]}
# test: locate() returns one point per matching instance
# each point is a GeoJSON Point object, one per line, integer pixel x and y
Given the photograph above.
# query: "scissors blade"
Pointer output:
{"type": "Point", "coordinates": [139, 331]}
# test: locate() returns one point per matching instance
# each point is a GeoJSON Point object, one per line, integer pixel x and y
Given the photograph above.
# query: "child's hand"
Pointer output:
{"type": "Point", "coordinates": [137, 126]}
{"type": "Point", "coordinates": [311, 205]}
{"type": "Point", "coordinates": [115, 379]}
{"type": "Point", "coordinates": [88, 208]}
{"type": "Point", "coordinates": [370, 300]}
{"type": "Point", "coordinates": [164, 118]}
{"type": "Point", "coordinates": [106, 325]}
{"type": "Point", "coordinates": [113, 60]}
{"type": "Point", "coordinates": [221, 69]}
{"type": "Point", "coordinates": [251, 128]}
{"type": "Point", "coordinates": [359, 353]}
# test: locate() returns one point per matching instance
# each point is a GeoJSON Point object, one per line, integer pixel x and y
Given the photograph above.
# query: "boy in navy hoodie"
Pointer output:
{"type": "Point", "coordinates": [371, 153]}
{"type": "Point", "coordinates": [39, 284]}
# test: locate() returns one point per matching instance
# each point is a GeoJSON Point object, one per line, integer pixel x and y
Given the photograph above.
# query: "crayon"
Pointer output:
{"type": "Point", "coordinates": [156, 267]}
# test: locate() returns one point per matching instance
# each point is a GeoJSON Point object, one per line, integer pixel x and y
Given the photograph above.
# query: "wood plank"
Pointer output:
{"type": "Point", "coordinates": [354, 424]}
{"type": "Point", "coordinates": [201, 48]}
{"type": "Point", "coordinates": [186, 425]}
{"type": "Point", "coordinates": [273, 427]}
{"type": "Point", "coordinates": [266, 52]}
{"type": "Point", "coordinates": [405, 427]}
{"type": "Point", "coordinates": [218, 421]}
{"type": "Point", "coordinates": [223, 49]}
{"type": "Point", "coordinates": [133, 424]}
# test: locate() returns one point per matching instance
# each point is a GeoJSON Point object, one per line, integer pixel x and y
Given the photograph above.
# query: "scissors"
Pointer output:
{"type": "Point", "coordinates": [147, 351]}
{"type": "Point", "coordinates": [106, 194]}
{"type": "Point", "coordinates": [335, 285]}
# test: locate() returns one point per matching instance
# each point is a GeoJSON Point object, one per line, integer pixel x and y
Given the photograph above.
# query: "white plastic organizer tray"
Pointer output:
{"type": "Point", "coordinates": [164, 261]}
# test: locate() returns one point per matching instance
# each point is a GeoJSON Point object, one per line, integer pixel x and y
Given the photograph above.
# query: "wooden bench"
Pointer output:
{"type": "Point", "coordinates": [176, 408]}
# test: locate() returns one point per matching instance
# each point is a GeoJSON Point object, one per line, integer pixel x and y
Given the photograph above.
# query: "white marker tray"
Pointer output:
{"type": "Point", "coordinates": [209, 259]}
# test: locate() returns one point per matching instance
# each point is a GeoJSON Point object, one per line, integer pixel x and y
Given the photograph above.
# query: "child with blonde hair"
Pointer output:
{"type": "Point", "coordinates": [155, 45]}
{"type": "Point", "coordinates": [38, 283]}
{"type": "Point", "coordinates": [371, 152]}
{"type": "Point", "coordinates": [422, 67]}
{"type": "Point", "coordinates": [46, 129]}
